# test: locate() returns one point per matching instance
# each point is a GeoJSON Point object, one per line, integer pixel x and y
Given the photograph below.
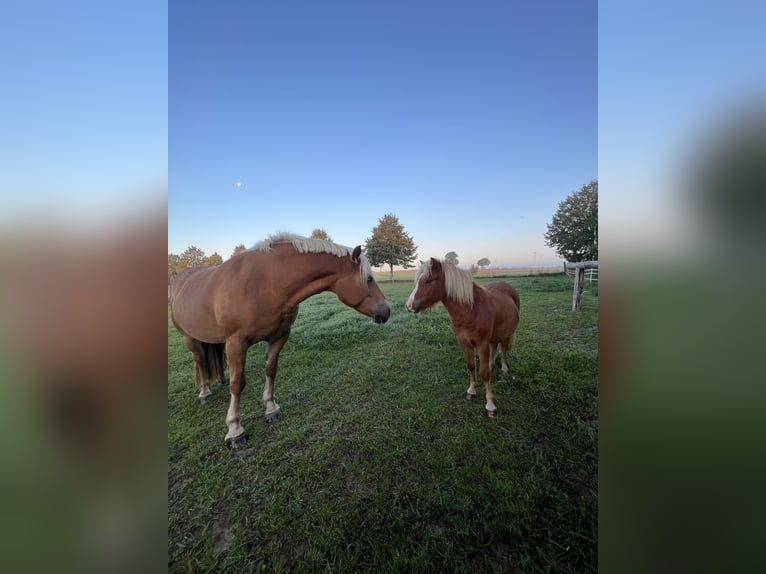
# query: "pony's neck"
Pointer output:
{"type": "Point", "coordinates": [457, 309]}
{"type": "Point", "coordinates": [320, 276]}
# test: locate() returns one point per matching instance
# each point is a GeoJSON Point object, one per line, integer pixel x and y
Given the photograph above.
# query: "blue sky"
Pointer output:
{"type": "Point", "coordinates": [468, 121]}
{"type": "Point", "coordinates": [83, 110]}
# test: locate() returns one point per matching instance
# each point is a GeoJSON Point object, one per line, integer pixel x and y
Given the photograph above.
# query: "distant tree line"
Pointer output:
{"type": "Point", "coordinates": [573, 233]}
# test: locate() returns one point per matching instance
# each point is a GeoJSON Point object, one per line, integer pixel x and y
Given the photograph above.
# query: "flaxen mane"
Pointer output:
{"type": "Point", "coordinates": [457, 283]}
{"type": "Point", "coordinates": [308, 245]}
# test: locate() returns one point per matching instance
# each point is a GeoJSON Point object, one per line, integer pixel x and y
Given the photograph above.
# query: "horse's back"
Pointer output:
{"type": "Point", "coordinates": [501, 290]}
{"type": "Point", "coordinates": [506, 302]}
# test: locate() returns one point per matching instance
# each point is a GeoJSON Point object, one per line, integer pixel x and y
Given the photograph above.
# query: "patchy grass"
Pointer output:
{"type": "Point", "coordinates": [379, 464]}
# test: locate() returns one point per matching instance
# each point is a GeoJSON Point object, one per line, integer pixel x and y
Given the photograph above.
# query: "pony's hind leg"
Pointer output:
{"type": "Point", "coordinates": [236, 353]}
{"type": "Point", "coordinates": [505, 347]}
{"type": "Point", "coordinates": [484, 371]}
{"type": "Point", "coordinates": [492, 355]}
{"type": "Point", "coordinates": [470, 361]}
{"type": "Point", "coordinates": [200, 353]}
{"type": "Point", "coordinates": [273, 412]}
{"type": "Point", "coordinates": [218, 363]}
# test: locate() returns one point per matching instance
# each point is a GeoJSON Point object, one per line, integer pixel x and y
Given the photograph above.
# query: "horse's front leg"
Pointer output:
{"type": "Point", "coordinates": [273, 411]}
{"type": "Point", "coordinates": [484, 371]}
{"type": "Point", "coordinates": [470, 361]}
{"type": "Point", "coordinates": [236, 353]}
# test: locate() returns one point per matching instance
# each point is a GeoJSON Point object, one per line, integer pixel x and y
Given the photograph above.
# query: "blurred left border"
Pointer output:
{"type": "Point", "coordinates": [83, 306]}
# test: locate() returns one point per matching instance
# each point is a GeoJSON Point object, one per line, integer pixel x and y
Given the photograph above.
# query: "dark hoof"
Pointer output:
{"type": "Point", "coordinates": [469, 396]}
{"type": "Point", "coordinates": [223, 382]}
{"type": "Point", "coordinates": [205, 399]}
{"type": "Point", "coordinates": [236, 441]}
{"type": "Point", "coordinates": [275, 416]}
{"type": "Point", "coordinates": [491, 414]}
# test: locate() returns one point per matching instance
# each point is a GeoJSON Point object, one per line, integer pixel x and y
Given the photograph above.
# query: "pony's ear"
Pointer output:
{"type": "Point", "coordinates": [436, 265]}
{"type": "Point", "coordinates": [356, 254]}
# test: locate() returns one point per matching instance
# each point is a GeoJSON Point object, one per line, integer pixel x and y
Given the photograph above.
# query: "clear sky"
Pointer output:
{"type": "Point", "coordinates": [469, 121]}
{"type": "Point", "coordinates": [672, 76]}
{"type": "Point", "coordinates": [83, 110]}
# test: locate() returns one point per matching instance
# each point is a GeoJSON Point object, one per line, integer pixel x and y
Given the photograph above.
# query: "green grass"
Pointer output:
{"type": "Point", "coordinates": [379, 464]}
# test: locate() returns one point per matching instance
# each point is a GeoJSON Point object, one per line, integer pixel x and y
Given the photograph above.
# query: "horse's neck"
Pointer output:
{"type": "Point", "coordinates": [461, 312]}
{"type": "Point", "coordinates": [317, 277]}
{"type": "Point", "coordinates": [456, 310]}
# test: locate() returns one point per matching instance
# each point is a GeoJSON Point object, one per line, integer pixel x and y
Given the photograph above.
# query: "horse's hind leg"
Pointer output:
{"type": "Point", "coordinates": [273, 411]}
{"type": "Point", "coordinates": [218, 363]}
{"type": "Point", "coordinates": [470, 361]}
{"type": "Point", "coordinates": [236, 353]}
{"type": "Point", "coordinates": [200, 354]}
{"type": "Point", "coordinates": [484, 371]}
{"type": "Point", "coordinates": [492, 355]}
{"type": "Point", "coordinates": [505, 347]}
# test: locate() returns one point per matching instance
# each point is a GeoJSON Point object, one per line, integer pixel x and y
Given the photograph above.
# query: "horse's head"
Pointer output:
{"type": "Point", "coordinates": [429, 286]}
{"type": "Point", "coordinates": [358, 289]}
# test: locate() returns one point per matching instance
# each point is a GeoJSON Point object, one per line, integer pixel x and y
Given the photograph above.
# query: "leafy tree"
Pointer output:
{"type": "Point", "coordinates": [213, 259]}
{"type": "Point", "coordinates": [320, 234]}
{"type": "Point", "coordinates": [192, 257]}
{"type": "Point", "coordinates": [173, 263]}
{"type": "Point", "coordinates": [483, 262]}
{"type": "Point", "coordinates": [238, 249]}
{"type": "Point", "coordinates": [390, 244]}
{"type": "Point", "coordinates": [573, 233]}
{"type": "Point", "coordinates": [451, 257]}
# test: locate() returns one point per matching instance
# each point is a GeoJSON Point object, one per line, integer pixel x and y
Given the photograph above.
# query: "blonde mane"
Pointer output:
{"type": "Point", "coordinates": [458, 284]}
{"type": "Point", "coordinates": [308, 245]}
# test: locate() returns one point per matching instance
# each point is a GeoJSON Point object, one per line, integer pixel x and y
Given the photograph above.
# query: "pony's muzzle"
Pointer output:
{"type": "Point", "coordinates": [381, 313]}
{"type": "Point", "coordinates": [413, 306]}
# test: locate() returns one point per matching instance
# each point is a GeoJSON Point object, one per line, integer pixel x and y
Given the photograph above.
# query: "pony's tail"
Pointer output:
{"type": "Point", "coordinates": [215, 362]}
{"type": "Point", "coordinates": [515, 297]}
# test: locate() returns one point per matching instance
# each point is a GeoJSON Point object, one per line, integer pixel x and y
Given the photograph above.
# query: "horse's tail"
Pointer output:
{"type": "Point", "coordinates": [214, 359]}
{"type": "Point", "coordinates": [515, 297]}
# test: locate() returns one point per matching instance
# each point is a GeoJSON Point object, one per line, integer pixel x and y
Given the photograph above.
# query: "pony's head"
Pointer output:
{"type": "Point", "coordinates": [434, 281]}
{"type": "Point", "coordinates": [359, 290]}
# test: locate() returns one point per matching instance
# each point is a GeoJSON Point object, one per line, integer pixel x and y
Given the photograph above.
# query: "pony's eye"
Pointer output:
{"type": "Point", "coordinates": [428, 281]}
{"type": "Point", "coordinates": [370, 279]}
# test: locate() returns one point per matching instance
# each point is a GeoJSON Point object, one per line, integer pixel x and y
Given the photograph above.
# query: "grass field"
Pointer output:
{"type": "Point", "coordinates": [379, 464]}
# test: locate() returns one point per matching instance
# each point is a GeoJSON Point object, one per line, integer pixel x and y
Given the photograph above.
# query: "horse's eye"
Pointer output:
{"type": "Point", "coordinates": [369, 279]}
{"type": "Point", "coordinates": [428, 281]}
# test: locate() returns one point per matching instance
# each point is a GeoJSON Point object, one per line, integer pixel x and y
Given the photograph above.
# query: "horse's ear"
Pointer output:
{"type": "Point", "coordinates": [356, 254]}
{"type": "Point", "coordinates": [436, 265]}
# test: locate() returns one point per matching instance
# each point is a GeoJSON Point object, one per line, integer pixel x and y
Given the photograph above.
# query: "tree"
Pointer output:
{"type": "Point", "coordinates": [320, 234]}
{"type": "Point", "coordinates": [390, 244]}
{"type": "Point", "coordinates": [573, 233]}
{"type": "Point", "coordinates": [192, 257]}
{"type": "Point", "coordinates": [451, 257]}
{"type": "Point", "coordinates": [238, 249]}
{"type": "Point", "coordinates": [173, 263]}
{"type": "Point", "coordinates": [213, 259]}
{"type": "Point", "coordinates": [483, 262]}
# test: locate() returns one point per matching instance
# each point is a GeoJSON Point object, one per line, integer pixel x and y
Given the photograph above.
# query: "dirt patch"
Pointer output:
{"type": "Point", "coordinates": [223, 535]}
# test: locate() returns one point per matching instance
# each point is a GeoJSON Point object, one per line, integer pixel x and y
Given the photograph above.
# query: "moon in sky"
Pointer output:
{"type": "Point", "coordinates": [239, 184]}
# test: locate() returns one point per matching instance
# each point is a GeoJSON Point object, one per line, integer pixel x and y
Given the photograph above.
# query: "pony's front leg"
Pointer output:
{"type": "Point", "coordinates": [273, 412]}
{"type": "Point", "coordinates": [470, 362]}
{"type": "Point", "coordinates": [485, 371]}
{"type": "Point", "coordinates": [236, 353]}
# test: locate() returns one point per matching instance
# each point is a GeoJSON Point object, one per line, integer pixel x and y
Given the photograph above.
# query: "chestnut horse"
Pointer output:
{"type": "Point", "coordinates": [254, 296]}
{"type": "Point", "coordinates": [482, 317]}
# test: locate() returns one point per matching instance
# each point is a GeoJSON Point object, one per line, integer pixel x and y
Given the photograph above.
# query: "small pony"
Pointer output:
{"type": "Point", "coordinates": [482, 317]}
{"type": "Point", "coordinates": [254, 296]}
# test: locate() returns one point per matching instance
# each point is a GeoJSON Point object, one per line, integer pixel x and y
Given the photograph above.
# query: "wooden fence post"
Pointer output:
{"type": "Point", "coordinates": [579, 281]}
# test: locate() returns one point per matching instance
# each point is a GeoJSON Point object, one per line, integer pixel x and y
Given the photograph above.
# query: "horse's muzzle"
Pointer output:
{"type": "Point", "coordinates": [381, 313]}
{"type": "Point", "coordinates": [413, 306]}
